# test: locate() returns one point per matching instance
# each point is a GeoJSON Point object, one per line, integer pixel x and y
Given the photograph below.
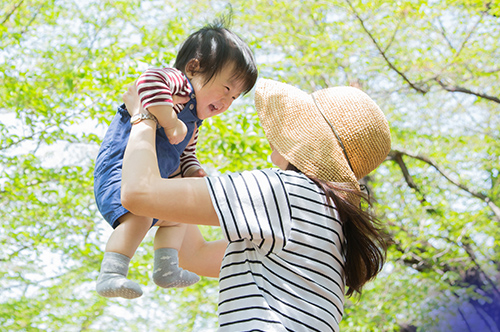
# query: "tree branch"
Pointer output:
{"type": "Point", "coordinates": [472, 256]}
{"type": "Point", "coordinates": [417, 86]}
{"type": "Point", "coordinates": [398, 158]}
{"type": "Point", "coordinates": [469, 277]}
{"type": "Point", "coordinates": [443, 33]}
{"type": "Point", "coordinates": [457, 54]}
{"type": "Point", "coordinates": [393, 37]}
{"type": "Point", "coordinates": [467, 91]}
{"type": "Point", "coordinates": [447, 176]}
{"type": "Point", "coordinates": [462, 46]}
{"type": "Point", "coordinates": [12, 12]}
{"type": "Point", "coordinates": [413, 260]}
{"type": "Point", "coordinates": [465, 320]}
{"type": "Point", "coordinates": [32, 19]}
{"type": "Point", "coordinates": [34, 134]}
{"type": "Point", "coordinates": [464, 42]}
{"type": "Point", "coordinates": [464, 242]}
{"type": "Point", "coordinates": [383, 53]}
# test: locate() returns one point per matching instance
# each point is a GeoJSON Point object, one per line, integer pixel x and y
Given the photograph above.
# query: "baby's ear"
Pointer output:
{"type": "Point", "coordinates": [192, 67]}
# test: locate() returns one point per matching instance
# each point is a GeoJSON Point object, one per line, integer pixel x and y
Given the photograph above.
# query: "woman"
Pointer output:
{"type": "Point", "coordinates": [295, 235]}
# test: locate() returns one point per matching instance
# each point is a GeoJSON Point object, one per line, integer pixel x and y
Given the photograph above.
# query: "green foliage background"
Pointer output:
{"type": "Point", "coordinates": [432, 66]}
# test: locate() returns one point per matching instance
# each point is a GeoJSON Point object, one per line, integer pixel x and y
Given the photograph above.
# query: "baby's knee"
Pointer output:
{"type": "Point", "coordinates": [164, 223]}
{"type": "Point", "coordinates": [131, 219]}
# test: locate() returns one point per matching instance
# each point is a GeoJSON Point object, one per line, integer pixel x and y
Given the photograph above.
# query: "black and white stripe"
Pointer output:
{"type": "Point", "coordinates": [283, 268]}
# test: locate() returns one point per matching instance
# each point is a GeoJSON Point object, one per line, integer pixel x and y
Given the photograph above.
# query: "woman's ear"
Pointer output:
{"type": "Point", "coordinates": [192, 68]}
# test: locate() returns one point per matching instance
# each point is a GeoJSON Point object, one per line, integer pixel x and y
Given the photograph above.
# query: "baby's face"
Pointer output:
{"type": "Point", "coordinates": [217, 95]}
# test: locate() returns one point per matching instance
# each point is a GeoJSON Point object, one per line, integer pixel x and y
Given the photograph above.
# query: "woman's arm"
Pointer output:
{"type": "Point", "coordinates": [145, 193]}
{"type": "Point", "coordinates": [199, 256]}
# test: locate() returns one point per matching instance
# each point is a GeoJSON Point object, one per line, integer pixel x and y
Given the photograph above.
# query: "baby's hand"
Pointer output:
{"type": "Point", "coordinates": [176, 134]}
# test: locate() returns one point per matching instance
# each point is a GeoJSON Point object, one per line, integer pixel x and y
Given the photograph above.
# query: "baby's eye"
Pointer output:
{"type": "Point", "coordinates": [227, 88]}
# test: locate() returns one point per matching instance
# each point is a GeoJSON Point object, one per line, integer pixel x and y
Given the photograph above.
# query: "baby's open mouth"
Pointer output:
{"type": "Point", "coordinates": [213, 108]}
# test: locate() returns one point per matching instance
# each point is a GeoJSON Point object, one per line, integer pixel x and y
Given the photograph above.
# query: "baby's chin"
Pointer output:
{"type": "Point", "coordinates": [204, 114]}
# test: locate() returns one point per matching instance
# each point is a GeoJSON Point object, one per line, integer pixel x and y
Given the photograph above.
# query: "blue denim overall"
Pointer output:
{"type": "Point", "coordinates": [108, 164]}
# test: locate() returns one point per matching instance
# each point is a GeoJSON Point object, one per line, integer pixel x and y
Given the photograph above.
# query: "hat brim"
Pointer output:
{"type": "Point", "coordinates": [296, 129]}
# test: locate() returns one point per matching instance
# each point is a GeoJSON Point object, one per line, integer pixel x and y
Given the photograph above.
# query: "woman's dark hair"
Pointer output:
{"type": "Point", "coordinates": [214, 46]}
{"type": "Point", "coordinates": [366, 243]}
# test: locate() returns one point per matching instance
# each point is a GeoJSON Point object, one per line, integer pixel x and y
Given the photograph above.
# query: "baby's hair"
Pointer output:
{"type": "Point", "coordinates": [214, 46]}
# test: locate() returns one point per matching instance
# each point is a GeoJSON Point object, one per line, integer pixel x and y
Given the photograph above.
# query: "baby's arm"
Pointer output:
{"type": "Point", "coordinates": [156, 88]}
{"type": "Point", "coordinates": [175, 129]}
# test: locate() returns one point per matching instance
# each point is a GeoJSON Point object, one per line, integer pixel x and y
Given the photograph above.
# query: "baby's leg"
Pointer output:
{"type": "Point", "coordinates": [121, 246]}
{"type": "Point", "coordinates": [167, 273]}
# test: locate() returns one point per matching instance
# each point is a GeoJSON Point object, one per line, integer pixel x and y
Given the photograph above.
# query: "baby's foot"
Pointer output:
{"type": "Point", "coordinates": [112, 280]}
{"type": "Point", "coordinates": [116, 285]}
{"type": "Point", "coordinates": [167, 272]}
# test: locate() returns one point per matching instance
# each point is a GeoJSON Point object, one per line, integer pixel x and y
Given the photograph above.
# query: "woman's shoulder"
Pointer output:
{"type": "Point", "coordinates": [276, 175]}
{"type": "Point", "coordinates": [280, 180]}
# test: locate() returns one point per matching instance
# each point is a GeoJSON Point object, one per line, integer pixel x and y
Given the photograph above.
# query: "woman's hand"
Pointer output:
{"type": "Point", "coordinates": [195, 173]}
{"type": "Point", "coordinates": [131, 100]}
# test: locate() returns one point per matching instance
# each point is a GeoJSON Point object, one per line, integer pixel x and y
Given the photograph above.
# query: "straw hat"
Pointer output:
{"type": "Point", "coordinates": [304, 127]}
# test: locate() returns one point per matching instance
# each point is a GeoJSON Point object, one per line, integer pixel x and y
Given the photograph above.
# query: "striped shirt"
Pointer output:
{"type": "Point", "coordinates": [156, 87]}
{"type": "Point", "coordinates": [283, 267]}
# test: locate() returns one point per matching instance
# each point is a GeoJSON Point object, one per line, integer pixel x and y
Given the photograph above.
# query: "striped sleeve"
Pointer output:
{"type": "Point", "coordinates": [157, 86]}
{"type": "Point", "coordinates": [252, 206]}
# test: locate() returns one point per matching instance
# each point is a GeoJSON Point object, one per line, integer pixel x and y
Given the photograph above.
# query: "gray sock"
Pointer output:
{"type": "Point", "coordinates": [112, 280]}
{"type": "Point", "coordinates": [167, 272]}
